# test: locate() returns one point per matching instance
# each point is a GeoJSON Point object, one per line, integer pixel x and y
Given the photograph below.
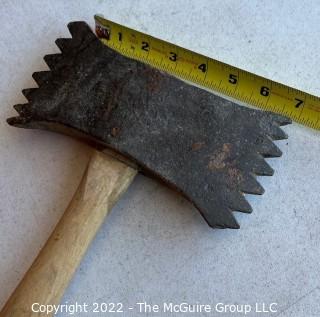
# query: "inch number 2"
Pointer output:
{"type": "Point", "coordinates": [145, 46]}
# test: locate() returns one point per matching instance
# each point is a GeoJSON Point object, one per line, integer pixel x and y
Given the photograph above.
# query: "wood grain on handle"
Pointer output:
{"type": "Point", "coordinates": [102, 184]}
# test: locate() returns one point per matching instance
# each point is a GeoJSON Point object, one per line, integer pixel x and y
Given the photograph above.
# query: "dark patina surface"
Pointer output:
{"type": "Point", "coordinates": [206, 147]}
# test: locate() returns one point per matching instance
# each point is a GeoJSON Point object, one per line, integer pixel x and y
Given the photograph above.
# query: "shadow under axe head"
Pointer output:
{"type": "Point", "coordinates": [207, 148]}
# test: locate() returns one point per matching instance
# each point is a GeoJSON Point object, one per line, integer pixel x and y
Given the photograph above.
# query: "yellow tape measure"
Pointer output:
{"type": "Point", "coordinates": [207, 72]}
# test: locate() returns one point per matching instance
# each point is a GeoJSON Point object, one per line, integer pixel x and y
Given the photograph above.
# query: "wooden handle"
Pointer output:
{"type": "Point", "coordinates": [103, 183]}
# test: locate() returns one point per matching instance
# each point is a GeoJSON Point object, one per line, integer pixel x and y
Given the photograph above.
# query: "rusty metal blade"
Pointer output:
{"type": "Point", "coordinates": [207, 148]}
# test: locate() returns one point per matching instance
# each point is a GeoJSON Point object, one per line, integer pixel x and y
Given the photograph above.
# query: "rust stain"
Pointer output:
{"type": "Point", "coordinates": [153, 79]}
{"type": "Point", "coordinates": [197, 146]}
{"type": "Point", "coordinates": [115, 131]}
{"type": "Point", "coordinates": [218, 159]}
{"type": "Point", "coordinates": [235, 177]}
{"type": "Point", "coordinates": [112, 97]}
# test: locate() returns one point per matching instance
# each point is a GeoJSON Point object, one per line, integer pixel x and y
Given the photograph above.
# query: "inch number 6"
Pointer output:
{"type": "Point", "coordinates": [264, 91]}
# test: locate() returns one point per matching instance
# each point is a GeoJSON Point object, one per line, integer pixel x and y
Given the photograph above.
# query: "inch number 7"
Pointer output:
{"type": "Point", "coordinates": [299, 102]}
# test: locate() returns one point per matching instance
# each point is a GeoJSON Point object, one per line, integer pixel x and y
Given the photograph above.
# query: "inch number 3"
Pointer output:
{"type": "Point", "coordinates": [173, 56]}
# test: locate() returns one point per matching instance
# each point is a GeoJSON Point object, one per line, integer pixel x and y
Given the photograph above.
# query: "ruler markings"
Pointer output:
{"type": "Point", "coordinates": [210, 73]}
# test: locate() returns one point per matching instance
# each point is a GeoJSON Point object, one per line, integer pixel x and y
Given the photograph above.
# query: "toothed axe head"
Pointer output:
{"type": "Point", "coordinates": [206, 147]}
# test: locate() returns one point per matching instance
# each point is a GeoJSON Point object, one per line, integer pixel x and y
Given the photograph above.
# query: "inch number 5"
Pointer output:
{"type": "Point", "coordinates": [233, 79]}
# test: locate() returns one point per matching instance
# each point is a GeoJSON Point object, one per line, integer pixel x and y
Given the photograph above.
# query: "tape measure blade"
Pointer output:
{"type": "Point", "coordinates": [225, 79]}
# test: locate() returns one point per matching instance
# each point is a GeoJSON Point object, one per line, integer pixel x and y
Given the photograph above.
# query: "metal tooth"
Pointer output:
{"type": "Point", "coordinates": [17, 121]}
{"type": "Point", "coordinates": [52, 60]}
{"type": "Point", "coordinates": [238, 202]}
{"type": "Point", "coordinates": [41, 77]}
{"type": "Point", "coordinates": [64, 43]}
{"type": "Point", "coordinates": [268, 149]}
{"type": "Point", "coordinates": [250, 185]}
{"type": "Point", "coordinates": [28, 92]}
{"type": "Point", "coordinates": [229, 221]}
{"type": "Point", "coordinates": [21, 108]}
{"type": "Point", "coordinates": [277, 133]}
{"type": "Point", "coordinates": [281, 120]}
{"type": "Point", "coordinates": [261, 167]}
{"type": "Point", "coordinates": [80, 29]}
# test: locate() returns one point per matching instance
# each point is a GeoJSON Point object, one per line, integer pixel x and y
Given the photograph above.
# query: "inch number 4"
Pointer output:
{"type": "Point", "coordinates": [203, 67]}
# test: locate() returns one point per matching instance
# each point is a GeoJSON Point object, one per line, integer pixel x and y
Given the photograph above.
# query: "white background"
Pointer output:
{"type": "Point", "coordinates": [155, 246]}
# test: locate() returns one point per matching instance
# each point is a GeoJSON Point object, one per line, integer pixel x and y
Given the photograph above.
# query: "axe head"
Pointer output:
{"type": "Point", "coordinates": [207, 148]}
